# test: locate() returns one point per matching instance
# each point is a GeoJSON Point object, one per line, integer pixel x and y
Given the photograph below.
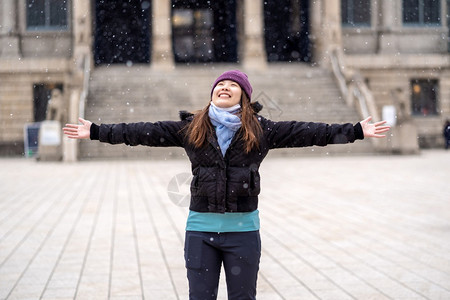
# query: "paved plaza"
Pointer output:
{"type": "Point", "coordinates": [343, 227]}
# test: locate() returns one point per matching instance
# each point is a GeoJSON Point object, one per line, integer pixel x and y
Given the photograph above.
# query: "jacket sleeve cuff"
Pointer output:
{"type": "Point", "coordinates": [95, 131]}
{"type": "Point", "coordinates": [359, 134]}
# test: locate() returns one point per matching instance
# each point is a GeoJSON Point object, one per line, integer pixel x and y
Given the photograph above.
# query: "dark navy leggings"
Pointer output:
{"type": "Point", "coordinates": [239, 252]}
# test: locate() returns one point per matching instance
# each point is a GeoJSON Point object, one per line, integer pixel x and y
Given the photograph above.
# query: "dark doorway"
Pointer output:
{"type": "Point", "coordinates": [286, 30]}
{"type": "Point", "coordinates": [41, 95]}
{"type": "Point", "coordinates": [204, 31]}
{"type": "Point", "coordinates": [122, 31]}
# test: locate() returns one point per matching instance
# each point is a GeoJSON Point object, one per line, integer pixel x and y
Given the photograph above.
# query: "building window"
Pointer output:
{"type": "Point", "coordinates": [204, 31]}
{"type": "Point", "coordinates": [424, 97]}
{"type": "Point", "coordinates": [355, 13]}
{"type": "Point", "coordinates": [448, 25]}
{"type": "Point", "coordinates": [422, 12]}
{"type": "Point", "coordinates": [47, 14]}
{"type": "Point", "coordinates": [192, 29]}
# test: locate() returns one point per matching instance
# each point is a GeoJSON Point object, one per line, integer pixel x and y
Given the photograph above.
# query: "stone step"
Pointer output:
{"type": "Point", "coordinates": [139, 93]}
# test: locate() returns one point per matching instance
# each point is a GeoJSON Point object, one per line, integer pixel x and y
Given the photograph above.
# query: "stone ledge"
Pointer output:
{"type": "Point", "coordinates": [34, 65]}
{"type": "Point", "coordinates": [393, 61]}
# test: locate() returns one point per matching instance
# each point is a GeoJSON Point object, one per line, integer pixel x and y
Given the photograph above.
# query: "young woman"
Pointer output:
{"type": "Point", "coordinates": [226, 142]}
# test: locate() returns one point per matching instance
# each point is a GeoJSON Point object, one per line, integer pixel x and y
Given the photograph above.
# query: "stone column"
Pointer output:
{"type": "Point", "coordinates": [388, 23]}
{"type": "Point", "coordinates": [82, 53]}
{"type": "Point", "coordinates": [254, 54]}
{"type": "Point", "coordinates": [162, 56]}
{"type": "Point", "coordinates": [326, 29]}
{"type": "Point", "coordinates": [317, 47]}
{"type": "Point", "coordinates": [82, 33]}
{"type": "Point", "coordinates": [69, 146]}
{"type": "Point", "coordinates": [9, 40]}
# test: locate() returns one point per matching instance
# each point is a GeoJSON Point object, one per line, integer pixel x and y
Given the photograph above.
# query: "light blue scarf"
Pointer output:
{"type": "Point", "coordinates": [226, 124]}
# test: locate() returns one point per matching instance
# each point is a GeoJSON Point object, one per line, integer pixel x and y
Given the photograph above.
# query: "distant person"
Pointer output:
{"type": "Point", "coordinates": [226, 142]}
{"type": "Point", "coordinates": [447, 134]}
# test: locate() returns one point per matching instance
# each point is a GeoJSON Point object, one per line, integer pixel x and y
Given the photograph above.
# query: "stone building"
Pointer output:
{"type": "Point", "coordinates": [386, 58]}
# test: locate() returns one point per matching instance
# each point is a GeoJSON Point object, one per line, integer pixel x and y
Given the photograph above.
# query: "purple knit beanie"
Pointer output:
{"type": "Point", "coordinates": [236, 76]}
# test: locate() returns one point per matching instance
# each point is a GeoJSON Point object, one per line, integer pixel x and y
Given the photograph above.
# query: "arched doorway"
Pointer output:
{"type": "Point", "coordinates": [286, 30]}
{"type": "Point", "coordinates": [204, 31]}
{"type": "Point", "coordinates": [122, 31]}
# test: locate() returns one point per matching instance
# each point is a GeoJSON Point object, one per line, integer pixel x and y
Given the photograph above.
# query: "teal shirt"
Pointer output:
{"type": "Point", "coordinates": [227, 222]}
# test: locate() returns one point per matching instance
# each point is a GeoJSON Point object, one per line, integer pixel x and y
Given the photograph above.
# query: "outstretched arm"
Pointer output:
{"type": "Point", "coordinates": [158, 134]}
{"type": "Point", "coordinates": [374, 130]}
{"type": "Point", "coordinates": [289, 134]}
{"type": "Point", "coordinates": [75, 131]}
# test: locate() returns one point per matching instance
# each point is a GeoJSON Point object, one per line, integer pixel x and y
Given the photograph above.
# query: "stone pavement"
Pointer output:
{"type": "Point", "coordinates": [367, 227]}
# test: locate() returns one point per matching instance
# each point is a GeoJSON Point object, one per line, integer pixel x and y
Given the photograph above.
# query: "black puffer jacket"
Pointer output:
{"type": "Point", "coordinates": [231, 183]}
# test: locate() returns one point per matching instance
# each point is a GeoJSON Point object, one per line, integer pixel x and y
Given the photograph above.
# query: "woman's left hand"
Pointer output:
{"type": "Point", "coordinates": [374, 130]}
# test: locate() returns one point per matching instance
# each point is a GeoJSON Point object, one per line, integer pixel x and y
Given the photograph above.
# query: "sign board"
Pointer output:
{"type": "Point", "coordinates": [50, 133]}
{"type": "Point", "coordinates": [389, 114]}
{"type": "Point", "coordinates": [31, 136]}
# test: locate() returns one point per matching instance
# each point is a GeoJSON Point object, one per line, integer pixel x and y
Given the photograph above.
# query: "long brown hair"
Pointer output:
{"type": "Point", "coordinates": [201, 128]}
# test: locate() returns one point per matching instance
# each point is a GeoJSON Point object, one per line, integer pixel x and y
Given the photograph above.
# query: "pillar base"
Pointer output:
{"type": "Point", "coordinates": [254, 57]}
{"type": "Point", "coordinates": [403, 139]}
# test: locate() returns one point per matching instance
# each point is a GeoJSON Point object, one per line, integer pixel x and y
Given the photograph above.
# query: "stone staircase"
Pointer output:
{"type": "Point", "coordinates": [139, 93]}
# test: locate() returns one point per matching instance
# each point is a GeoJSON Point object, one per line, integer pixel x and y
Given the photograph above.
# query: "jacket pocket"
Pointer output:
{"type": "Point", "coordinates": [194, 183]}
{"type": "Point", "coordinates": [254, 182]}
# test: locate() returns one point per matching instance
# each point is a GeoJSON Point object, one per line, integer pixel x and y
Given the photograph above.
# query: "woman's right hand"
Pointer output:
{"type": "Point", "coordinates": [75, 131]}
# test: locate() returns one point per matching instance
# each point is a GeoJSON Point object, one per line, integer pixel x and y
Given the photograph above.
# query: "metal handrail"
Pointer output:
{"type": "Point", "coordinates": [352, 86]}
{"type": "Point", "coordinates": [339, 75]}
{"type": "Point", "coordinates": [361, 101]}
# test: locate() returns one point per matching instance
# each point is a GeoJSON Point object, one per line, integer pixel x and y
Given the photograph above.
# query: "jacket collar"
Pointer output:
{"type": "Point", "coordinates": [185, 115]}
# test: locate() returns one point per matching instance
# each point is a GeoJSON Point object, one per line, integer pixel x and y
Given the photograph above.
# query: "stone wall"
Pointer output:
{"type": "Point", "coordinates": [387, 34]}
{"type": "Point", "coordinates": [17, 78]}
{"type": "Point", "coordinates": [385, 82]}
